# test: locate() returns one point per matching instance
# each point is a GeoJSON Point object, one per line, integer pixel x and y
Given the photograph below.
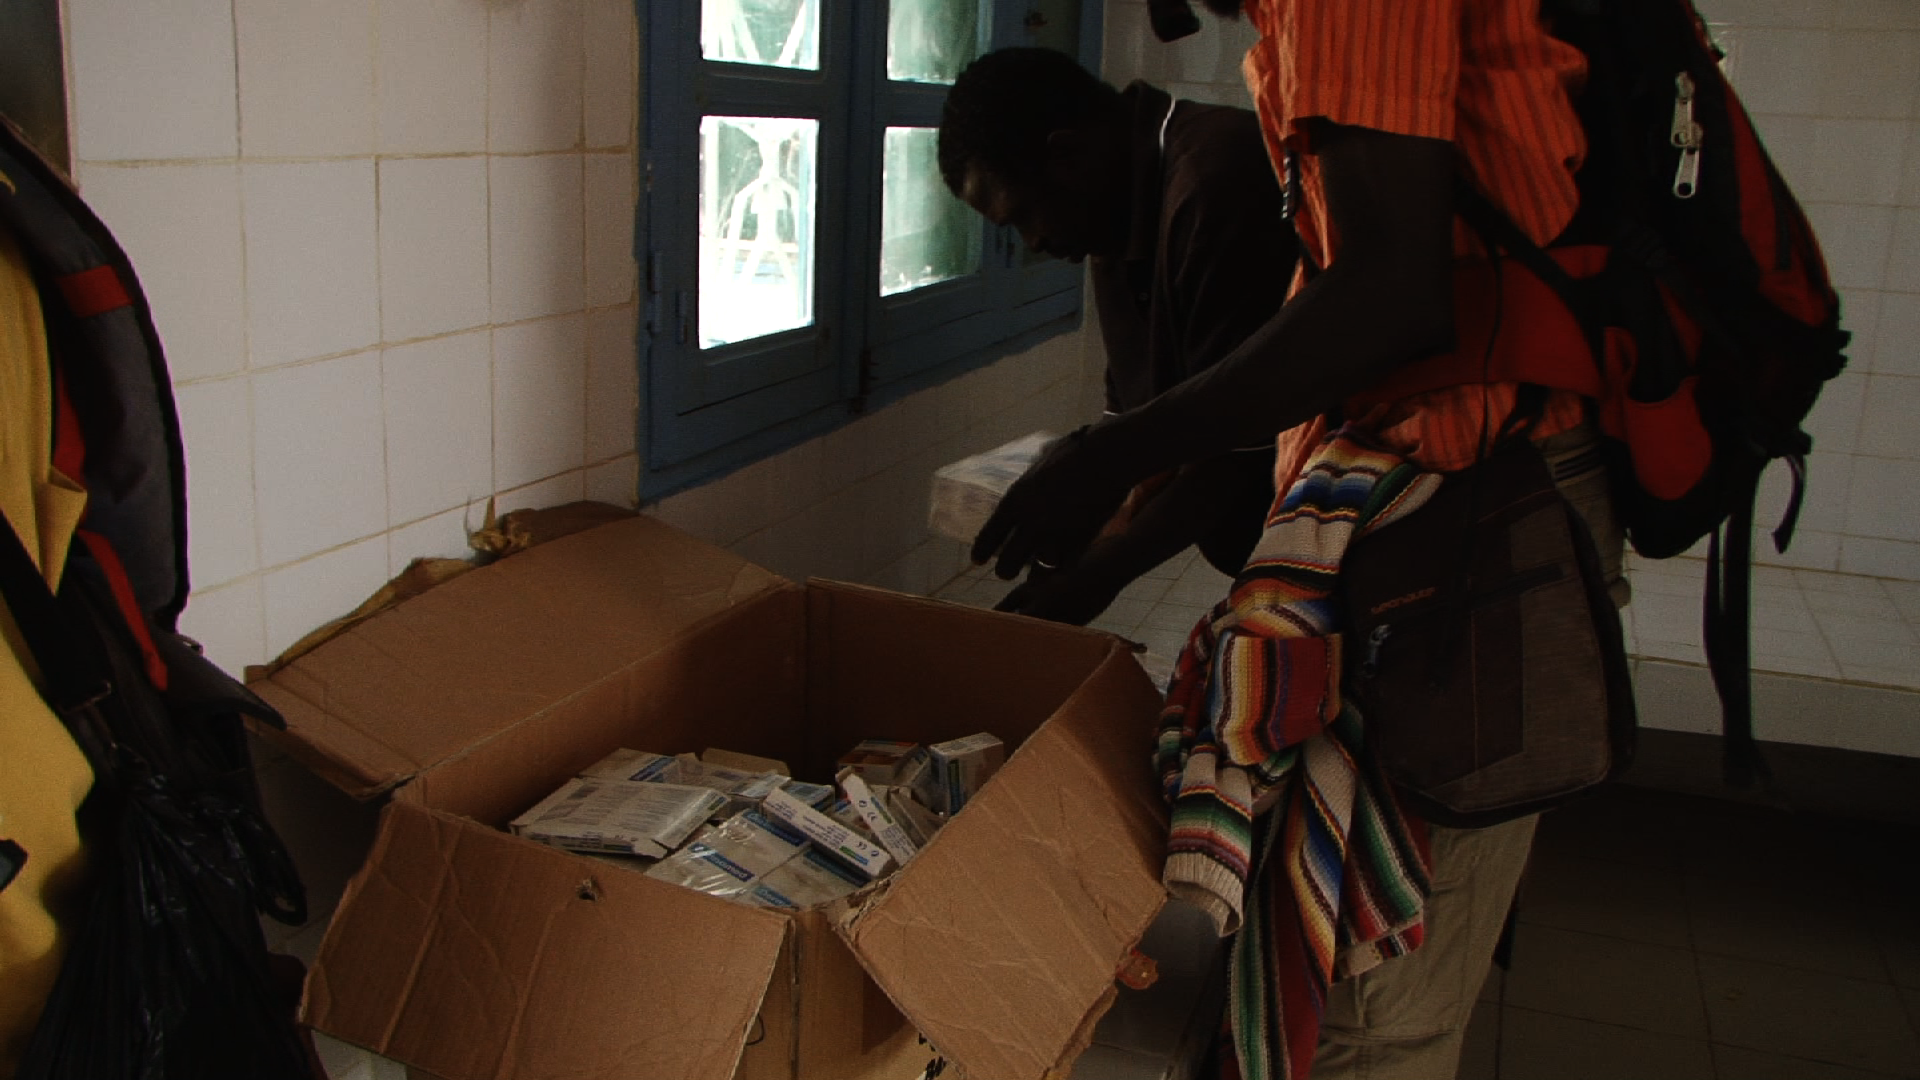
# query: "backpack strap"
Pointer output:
{"type": "Point", "coordinates": [72, 680]}
{"type": "Point", "coordinates": [1790, 517]}
{"type": "Point", "coordinates": [69, 680]}
{"type": "Point", "coordinates": [1724, 633]}
{"type": "Point", "coordinates": [1499, 232]}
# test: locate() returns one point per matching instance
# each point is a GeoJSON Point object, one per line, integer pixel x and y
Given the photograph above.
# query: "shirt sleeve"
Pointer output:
{"type": "Point", "coordinates": [1389, 65]}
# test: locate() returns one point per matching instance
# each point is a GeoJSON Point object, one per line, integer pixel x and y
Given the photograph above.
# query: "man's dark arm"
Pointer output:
{"type": "Point", "coordinates": [1386, 300]}
{"type": "Point", "coordinates": [1200, 499]}
{"type": "Point", "coordinates": [1223, 261]}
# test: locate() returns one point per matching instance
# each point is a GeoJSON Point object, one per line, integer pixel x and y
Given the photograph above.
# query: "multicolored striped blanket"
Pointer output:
{"type": "Point", "coordinates": [1282, 829]}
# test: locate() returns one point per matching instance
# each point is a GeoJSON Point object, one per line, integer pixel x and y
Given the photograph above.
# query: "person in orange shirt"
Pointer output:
{"type": "Point", "coordinates": [1373, 111]}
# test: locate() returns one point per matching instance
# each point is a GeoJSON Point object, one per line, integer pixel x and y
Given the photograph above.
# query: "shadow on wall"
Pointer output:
{"type": "Point", "coordinates": [33, 86]}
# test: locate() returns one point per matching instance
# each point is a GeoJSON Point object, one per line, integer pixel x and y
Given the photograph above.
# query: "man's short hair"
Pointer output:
{"type": "Point", "coordinates": [1004, 105]}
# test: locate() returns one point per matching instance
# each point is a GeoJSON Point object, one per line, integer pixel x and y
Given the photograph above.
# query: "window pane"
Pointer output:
{"type": "Point", "coordinates": [1053, 24]}
{"type": "Point", "coordinates": [756, 226]}
{"type": "Point", "coordinates": [926, 235]}
{"type": "Point", "coordinates": [931, 40]}
{"type": "Point", "coordinates": [774, 33]}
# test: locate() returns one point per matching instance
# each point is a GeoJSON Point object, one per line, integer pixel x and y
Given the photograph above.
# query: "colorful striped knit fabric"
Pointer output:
{"type": "Point", "coordinates": [1282, 828]}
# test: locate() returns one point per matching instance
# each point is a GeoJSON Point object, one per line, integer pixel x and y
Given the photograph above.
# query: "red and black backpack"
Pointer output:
{"type": "Point", "coordinates": [1711, 315]}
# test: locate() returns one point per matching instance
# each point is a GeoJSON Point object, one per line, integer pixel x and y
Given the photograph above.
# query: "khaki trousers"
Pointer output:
{"type": "Point", "coordinates": [1404, 1019]}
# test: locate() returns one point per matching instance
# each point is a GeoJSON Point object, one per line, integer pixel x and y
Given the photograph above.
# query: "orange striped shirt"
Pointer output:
{"type": "Point", "coordinates": [1482, 74]}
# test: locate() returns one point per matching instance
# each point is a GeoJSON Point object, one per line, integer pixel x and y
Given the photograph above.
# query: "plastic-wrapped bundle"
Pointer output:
{"type": "Point", "coordinates": [966, 492]}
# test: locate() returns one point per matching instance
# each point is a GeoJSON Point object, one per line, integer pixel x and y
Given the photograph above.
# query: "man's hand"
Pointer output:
{"type": "Point", "coordinates": [1076, 595]}
{"type": "Point", "coordinates": [1050, 515]}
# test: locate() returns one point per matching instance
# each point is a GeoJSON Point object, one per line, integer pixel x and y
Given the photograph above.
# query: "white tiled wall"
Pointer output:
{"type": "Point", "coordinates": [388, 245]}
{"type": "Point", "coordinates": [1834, 88]}
{"type": "Point", "coordinates": [1203, 67]}
{"type": "Point", "coordinates": [853, 504]}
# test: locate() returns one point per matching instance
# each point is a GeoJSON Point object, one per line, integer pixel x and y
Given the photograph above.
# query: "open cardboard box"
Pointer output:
{"type": "Point", "coordinates": [473, 954]}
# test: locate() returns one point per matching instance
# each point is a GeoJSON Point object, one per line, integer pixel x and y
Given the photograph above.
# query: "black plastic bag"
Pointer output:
{"type": "Point", "coordinates": [169, 977]}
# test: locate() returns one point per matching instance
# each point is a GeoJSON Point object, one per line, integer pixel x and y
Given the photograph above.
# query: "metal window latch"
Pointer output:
{"type": "Point", "coordinates": [653, 292]}
{"type": "Point", "coordinates": [1686, 134]}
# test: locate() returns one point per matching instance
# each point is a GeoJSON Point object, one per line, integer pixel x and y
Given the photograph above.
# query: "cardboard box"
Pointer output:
{"type": "Point", "coordinates": [1163, 1031]}
{"type": "Point", "coordinates": [733, 759]}
{"type": "Point", "coordinates": [472, 954]}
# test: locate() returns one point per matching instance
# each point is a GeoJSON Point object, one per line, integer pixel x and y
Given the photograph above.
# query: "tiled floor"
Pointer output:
{"type": "Point", "coordinates": [1157, 611]}
{"type": "Point", "coordinates": [1673, 937]}
{"type": "Point", "coordinates": [1805, 622]}
{"type": "Point", "coordinates": [1836, 657]}
{"type": "Point", "coordinates": [1661, 937]}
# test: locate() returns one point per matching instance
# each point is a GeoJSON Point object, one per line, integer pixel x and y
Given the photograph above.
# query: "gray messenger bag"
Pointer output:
{"type": "Point", "coordinates": [1482, 650]}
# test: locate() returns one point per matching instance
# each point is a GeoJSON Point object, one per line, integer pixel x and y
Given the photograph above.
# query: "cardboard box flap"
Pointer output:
{"type": "Point", "coordinates": [422, 682]}
{"type": "Point", "coordinates": [1001, 940]}
{"type": "Point", "coordinates": [578, 969]}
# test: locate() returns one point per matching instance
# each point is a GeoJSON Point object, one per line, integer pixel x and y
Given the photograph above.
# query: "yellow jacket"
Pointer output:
{"type": "Point", "coordinates": [43, 776]}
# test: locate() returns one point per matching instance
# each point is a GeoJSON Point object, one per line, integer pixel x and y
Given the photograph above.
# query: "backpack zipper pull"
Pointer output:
{"type": "Point", "coordinates": [1685, 133]}
{"type": "Point", "coordinates": [1688, 136]}
{"type": "Point", "coordinates": [1374, 640]}
{"type": "Point", "coordinates": [1686, 179]}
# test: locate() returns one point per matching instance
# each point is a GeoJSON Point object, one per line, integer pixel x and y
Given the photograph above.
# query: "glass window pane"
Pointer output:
{"type": "Point", "coordinates": [756, 226]}
{"type": "Point", "coordinates": [773, 33]}
{"type": "Point", "coordinates": [926, 235]}
{"type": "Point", "coordinates": [1052, 24]}
{"type": "Point", "coordinates": [931, 40]}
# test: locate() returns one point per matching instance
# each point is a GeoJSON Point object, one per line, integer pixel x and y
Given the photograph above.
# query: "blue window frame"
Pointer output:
{"type": "Point", "coordinates": [763, 219]}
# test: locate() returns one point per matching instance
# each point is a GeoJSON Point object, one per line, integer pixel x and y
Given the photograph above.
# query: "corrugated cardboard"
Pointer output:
{"type": "Point", "coordinates": [475, 955]}
{"type": "Point", "coordinates": [464, 662]}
